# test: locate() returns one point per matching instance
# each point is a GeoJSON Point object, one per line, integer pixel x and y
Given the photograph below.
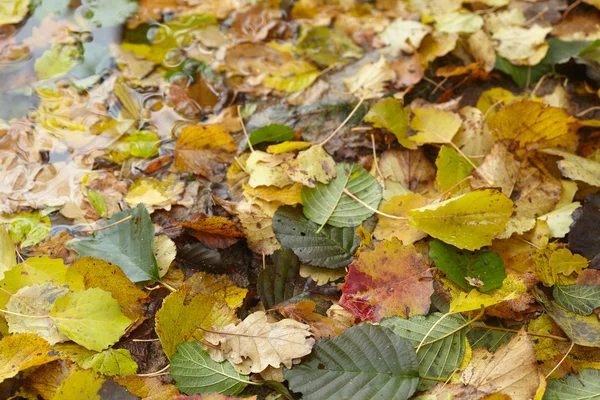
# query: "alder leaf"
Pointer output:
{"type": "Point", "coordinates": [280, 281]}
{"type": "Point", "coordinates": [365, 362]}
{"type": "Point", "coordinates": [91, 318]}
{"type": "Point", "coordinates": [255, 343]}
{"type": "Point", "coordinates": [469, 221]}
{"type": "Point", "coordinates": [272, 133]}
{"type": "Point", "coordinates": [452, 168]}
{"type": "Point", "coordinates": [480, 269]}
{"type": "Point", "coordinates": [580, 299]}
{"type": "Point", "coordinates": [440, 358]}
{"type": "Point", "coordinates": [328, 204]}
{"type": "Point", "coordinates": [195, 372]}
{"type": "Point", "coordinates": [388, 280]}
{"type": "Point", "coordinates": [21, 351]}
{"type": "Point", "coordinates": [330, 248]}
{"type": "Point", "coordinates": [111, 362]}
{"type": "Point", "coordinates": [128, 244]}
{"type": "Point", "coordinates": [583, 386]}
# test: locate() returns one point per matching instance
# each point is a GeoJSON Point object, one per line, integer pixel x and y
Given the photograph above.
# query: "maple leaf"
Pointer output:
{"type": "Point", "coordinates": [255, 344]}
{"type": "Point", "coordinates": [391, 279]}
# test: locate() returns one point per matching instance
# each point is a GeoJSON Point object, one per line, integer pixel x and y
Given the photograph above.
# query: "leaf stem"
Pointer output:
{"type": "Point", "coordinates": [561, 360]}
{"type": "Point", "coordinates": [376, 163]}
{"type": "Point", "coordinates": [497, 328]}
{"type": "Point", "coordinates": [456, 330]}
{"type": "Point", "coordinates": [359, 201]}
{"type": "Point", "coordinates": [244, 129]}
{"type": "Point", "coordinates": [354, 110]}
{"type": "Point", "coordinates": [171, 288]}
{"type": "Point", "coordinates": [433, 378]}
{"type": "Point", "coordinates": [440, 320]}
{"type": "Point", "coordinates": [108, 226]}
{"type": "Point", "coordinates": [157, 373]}
{"type": "Point", "coordinates": [23, 315]}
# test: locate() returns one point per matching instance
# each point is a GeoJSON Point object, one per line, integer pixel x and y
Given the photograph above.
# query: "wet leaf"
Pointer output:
{"type": "Point", "coordinates": [346, 365]}
{"type": "Point", "coordinates": [328, 204]}
{"type": "Point", "coordinates": [27, 229]}
{"type": "Point", "coordinates": [59, 60]}
{"type": "Point", "coordinates": [107, 13]}
{"type": "Point", "coordinates": [331, 247]}
{"type": "Point", "coordinates": [388, 280]}
{"type": "Point", "coordinates": [13, 11]}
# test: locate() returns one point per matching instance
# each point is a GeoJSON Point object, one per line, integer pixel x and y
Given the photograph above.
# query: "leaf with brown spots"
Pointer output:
{"type": "Point", "coordinates": [215, 232]}
{"type": "Point", "coordinates": [389, 280]}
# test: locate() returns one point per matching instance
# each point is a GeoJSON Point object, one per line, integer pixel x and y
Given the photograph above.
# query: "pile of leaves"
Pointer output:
{"type": "Point", "coordinates": [316, 199]}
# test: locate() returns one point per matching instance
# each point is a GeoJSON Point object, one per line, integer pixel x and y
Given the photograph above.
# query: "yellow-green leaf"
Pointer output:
{"type": "Point", "coordinates": [452, 168]}
{"type": "Point", "coordinates": [292, 76]}
{"type": "Point", "coordinates": [80, 385]}
{"type": "Point", "coordinates": [434, 125]}
{"type": "Point", "coordinates": [111, 362]}
{"type": "Point", "coordinates": [8, 257]}
{"type": "Point", "coordinates": [22, 351]}
{"type": "Point", "coordinates": [13, 11]}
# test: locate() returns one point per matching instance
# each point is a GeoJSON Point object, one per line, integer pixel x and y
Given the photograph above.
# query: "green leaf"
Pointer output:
{"type": "Point", "coordinates": [438, 359]}
{"type": "Point", "coordinates": [195, 372]}
{"type": "Point", "coordinates": [272, 133]}
{"type": "Point", "coordinates": [330, 248]}
{"type": "Point", "coordinates": [326, 47]}
{"type": "Point", "coordinates": [451, 169]}
{"type": "Point", "coordinates": [580, 299]}
{"type": "Point", "coordinates": [27, 229]}
{"type": "Point", "coordinates": [328, 204]}
{"type": "Point", "coordinates": [97, 201]}
{"type": "Point", "coordinates": [91, 318]}
{"type": "Point", "coordinates": [468, 267]}
{"type": "Point", "coordinates": [59, 60]}
{"type": "Point", "coordinates": [128, 244]}
{"type": "Point", "coordinates": [583, 386]}
{"type": "Point", "coordinates": [142, 144]}
{"type": "Point", "coordinates": [105, 13]}
{"type": "Point", "coordinates": [8, 256]}
{"type": "Point", "coordinates": [489, 338]}
{"type": "Point", "coordinates": [365, 362]}
{"type": "Point", "coordinates": [111, 362]}
{"type": "Point", "coordinates": [13, 11]}
{"type": "Point", "coordinates": [281, 280]}
{"type": "Point", "coordinates": [388, 113]}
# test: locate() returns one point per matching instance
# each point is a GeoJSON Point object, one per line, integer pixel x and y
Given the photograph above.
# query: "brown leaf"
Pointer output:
{"type": "Point", "coordinates": [320, 325]}
{"type": "Point", "coordinates": [387, 281]}
{"type": "Point", "coordinates": [215, 232]}
{"type": "Point", "coordinates": [410, 168]}
{"type": "Point", "coordinates": [501, 167]}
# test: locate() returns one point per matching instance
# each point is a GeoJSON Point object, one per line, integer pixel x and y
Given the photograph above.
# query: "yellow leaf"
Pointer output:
{"type": "Point", "coordinates": [560, 219]}
{"type": "Point", "coordinates": [370, 81]}
{"type": "Point", "coordinates": [564, 262]}
{"type": "Point", "coordinates": [530, 123]}
{"type": "Point", "coordinates": [555, 265]}
{"type": "Point", "coordinates": [292, 76]}
{"type": "Point", "coordinates": [500, 167]}
{"type": "Point", "coordinates": [148, 388]}
{"type": "Point", "coordinates": [469, 221]}
{"type": "Point", "coordinates": [387, 228]}
{"type": "Point", "coordinates": [286, 147]}
{"type": "Point", "coordinates": [203, 302]}
{"type": "Point", "coordinates": [81, 385]}
{"type": "Point", "coordinates": [320, 275]}
{"type": "Point", "coordinates": [204, 150]}
{"type": "Point", "coordinates": [493, 100]}
{"type": "Point", "coordinates": [164, 250]}
{"type": "Point", "coordinates": [311, 166]}
{"type": "Point", "coordinates": [434, 125]}
{"type": "Point", "coordinates": [452, 168]}
{"type": "Point", "coordinates": [255, 344]}
{"type": "Point", "coordinates": [544, 347]}
{"type": "Point", "coordinates": [409, 168]}
{"type": "Point", "coordinates": [577, 168]}
{"type": "Point", "coordinates": [475, 300]}
{"type": "Point", "coordinates": [265, 169]}
{"type": "Point", "coordinates": [288, 195]}
{"type": "Point", "coordinates": [522, 46]}
{"type": "Point", "coordinates": [8, 256]}
{"type": "Point", "coordinates": [22, 351]}
{"type": "Point", "coordinates": [258, 227]}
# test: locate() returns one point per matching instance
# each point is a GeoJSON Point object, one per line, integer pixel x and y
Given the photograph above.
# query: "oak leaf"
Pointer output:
{"type": "Point", "coordinates": [391, 279]}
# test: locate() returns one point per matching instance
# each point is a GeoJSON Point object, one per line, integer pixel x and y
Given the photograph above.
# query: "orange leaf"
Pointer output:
{"type": "Point", "coordinates": [320, 325]}
{"type": "Point", "coordinates": [214, 232]}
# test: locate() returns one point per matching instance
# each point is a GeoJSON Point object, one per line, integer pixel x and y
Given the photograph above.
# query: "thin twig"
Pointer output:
{"type": "Point", "coordinates": [487, 112]}
{"type": "Point", "coordinates": [376, 162]}
{"type": "Point", "coordinates": [244, 129]}
{"type": "Point", "coordinates": [581, 114]}
{"type": "Point", "coordinates": [529, 243]}
{"type": "Point", "coordinates": [359, 201]}
{"type": "Point", "coordinates": [354, 110]}
{"type": "Point", "coordinates": [440, 320]}
{"type": "Point", "coordinates": [570, 8]}
{"type": "Point", "coordinates": [561, 360]}
{"type": "Point", "coordinates": [171, 288]}
{"type": "Point", "coordinates": [240, 164]}
{"type": "Point", "coordinates": [159, 372]}
{"type": "Point", "coordinates": [145, 340]}
{"type": "Point", "coordinates": [108, 226]}
{"type": "Point", "coordinates": [497, 328]}
{"type": "Point", "coordinates": [452, 187]}
{"type": "Point", "coordinates": [537, 86]}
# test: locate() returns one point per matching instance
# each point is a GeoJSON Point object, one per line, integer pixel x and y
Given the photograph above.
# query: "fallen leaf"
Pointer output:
{"type": "Point", "coordinates": [311, 166]}
{"type": "Point", "coordinates": [452, 168]}
{"type": "Point", "coordinates": [388, 228]}
{"type": "Point", "coordinates": [580, 299]}
{"type": "Point", "coordinates": [522, 46]}
{"type": "Point", "coordinates": [303, 311]}
{"type": "Point", "coordinates": [111, 363]}
{"type": "Point", "coordinates": [22, 351]}
{"type": "Point", "coordinates": [280, 281]}
{"type": "Point", "coordinates": [258, 227]}
{"type": "Point", "coordinates": [434, 125]}
{"type": "Point", "coordinates": [148, 388]}
{"type": "Point", "coordinates": [577, 168]}
{"type": "Point", "coordinates": [321, 276]}
{"type": "Point", "coordinates": [389, 280]}
{"type": "Point", "coordinates": [254, 344]}
{"type": "Point", "coordinates": [8, 256]}
{"type": "Point", "coordinates": [388, 113]}
{"type": "Point", "coordinates": [292, 76]}
{"type": "Point", "coordinates": [501, 168]}
{"type": "Point", "coordinates": [403, 35]}
{"type": "Point", "coordinates": [409, 168]}
{"type": "Point", "coordinates": [370, 81]}
{"type": "Point", "coordinates": [215, 232]}
{"type": "Point", "coordinates": [81, 383]}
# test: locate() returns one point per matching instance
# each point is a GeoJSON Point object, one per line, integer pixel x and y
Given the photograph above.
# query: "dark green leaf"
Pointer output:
{"type": "Point", "coordinates": [584, 386]}
{"type": "Point", "coordinates": [128, 244]}
{"type": "Point", "coordinates": [580, 299]}
{"type": "Point", "coordinates": [330, 248]}
{"type": "Point", "coordinates": [365, 362]}
{"type": "Point", "coordinates": [328, 204]}
{"type": "Point", "coordinates": [489, 338]}
{"type": "Point", "coordinates": [272, 133]}
{"type": "Point", "coordinates": [478, 266]}
{"type": "Point", "coordinates": [195, 372]}
{"type": "Point", "coordinates": [280, 281]}
{"type": "Point", "coordinates": [440, 358]}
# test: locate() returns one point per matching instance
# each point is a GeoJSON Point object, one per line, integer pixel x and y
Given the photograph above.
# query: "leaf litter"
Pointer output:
{"type": "Point", "coordinates": [299, 199]}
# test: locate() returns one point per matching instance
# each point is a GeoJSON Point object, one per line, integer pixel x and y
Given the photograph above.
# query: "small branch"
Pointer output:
{"type": "Point", "coordinates": [359, 201]}
{"type": "Point", "coordinates": [244, 129]}
{"type": "Point", "coordinates": [354, 110]}
{"type": "Point", "coordinates": [376, 163]}
{"type": "Point", "coordinates": [561, 360]}
{"type": "Point", "coordinates": [108, 226]}
{"type": "Point", "coordinates": [157, 373]}
{"type": "Point", "coordinates": [571, 7]}
{"type": "Point", "coordinates": [581, 114]}
{"type": "Point", "coordinates": [497, 328]}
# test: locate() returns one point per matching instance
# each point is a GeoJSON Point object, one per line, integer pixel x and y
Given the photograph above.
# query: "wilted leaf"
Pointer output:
{"type": "Point", "coordinates": [215, 232]}
{"type": "Point", "coordinates": [328, 204]}
{"type": "Point", "coordinates": [22, 351]}
{"type": "Point", "coordinates": [258, 227]}
{"type": "Point", "coordinates": [279, 281]}
{"type": "Point", "coordinates": [500, 167]}
{"type": "Point", "coordinates": [388, 113]}
{"type": "Point", "coordinates": [365, 362]}
{"type": "Point", "coordinates": [303, 311]}
{"type": "Point", "coordinates": [331, 248]}
{"type": "Point", "coordinates": [8, 257]}
{"type": "Point", "coordinates": [388, 228]}
{"type": "Point", "coordinates": [196, 373]}
{"type": "Point", "coordinates": [433, 125]}
{"type": "Point", "coordinates": [204, 150]}
{"type": "Point", "coordinates": [580, 299]}
{"type": "Point", "coordinates": [560, 219]}
{"type": "Point", "coordinates": [128, 244]}
{"type": "Point", "coordinates": [27, 229]}
{"type": "Point", "coordinates": [577, 168]}
{"type": "Point", "coordinates": [311, 166]}
{"type": "Point", "coordinates": [255, 344]}
{"type": "Point", "coordinates": [469, 221]}
{"type": "Point", "coordinates": [388, 280]}
{"type": "Point", "coordinates": [370, 81]}
{"type": "Point", "coordinates": [155, 193]}
{"type": "Point", "coordinates": [446, 352]}
{"type": "Point", "coordinates": [13, 11]}
{"type": "Point", "coordinates": [575, 387]}
{"type": "Point", "coordinates": [292, 76]}
{"type": "Point", "coordinates": [148, 388]}
{"type": "Point", "coordinates": [266, 170]}
{"type": "Point", "coordinates": [481, 269]}
{"type": "Point", "coordinates": [522, 46]}
{"type": "Point", "coordinates": [111, 362]}
{"type": "Point", "coordinates": [409, 168]}
{"type": "Point", "coordinates": [91, 318]}
{"type": "Point", "coordinates": [59, 60]}
{"type": "Point", "coordinates": [404, 35]}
